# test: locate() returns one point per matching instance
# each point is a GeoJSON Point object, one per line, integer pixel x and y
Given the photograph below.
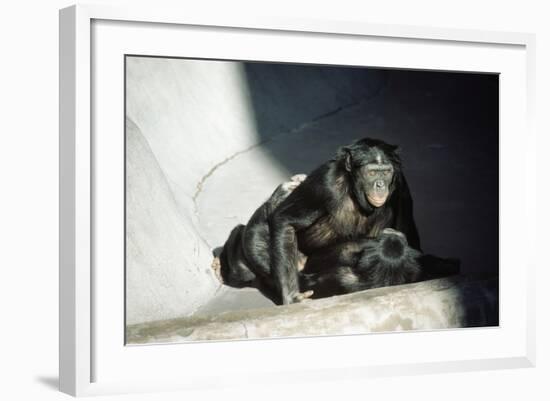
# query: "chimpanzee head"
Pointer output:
{"type": "Point", "coordinates": [373, 168]}
{"type": "Point", "coordinates": [389, 260]}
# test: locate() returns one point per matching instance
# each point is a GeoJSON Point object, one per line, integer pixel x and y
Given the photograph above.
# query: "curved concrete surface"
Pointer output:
{"type": "Point", "coordinates": [184, 119]}
{"type": "Point", "coordinates": [165, 277]}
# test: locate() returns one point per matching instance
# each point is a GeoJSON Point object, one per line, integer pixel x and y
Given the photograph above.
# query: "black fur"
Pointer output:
{"type": "Point", "coordinates": [361, 265]}
{"type": "Point", "coordinates": [333, 206]}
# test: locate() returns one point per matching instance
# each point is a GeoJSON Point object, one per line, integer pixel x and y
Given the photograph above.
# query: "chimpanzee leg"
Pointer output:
{"type": "Point", "coordinates": [256, 241]}
{"type": "Point", "coordinates": [256, 236]}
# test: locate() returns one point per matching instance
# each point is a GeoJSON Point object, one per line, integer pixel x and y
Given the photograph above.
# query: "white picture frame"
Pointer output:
{"type": "Point", "coordinates": [84, 329]}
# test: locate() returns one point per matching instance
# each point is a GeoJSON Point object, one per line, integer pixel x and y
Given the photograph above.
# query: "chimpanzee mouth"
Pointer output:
{"type": "Point", "coordinates": [377, 200]}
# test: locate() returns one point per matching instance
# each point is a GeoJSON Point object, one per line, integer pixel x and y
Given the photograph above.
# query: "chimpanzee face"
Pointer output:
{"type": "Point", "coordinates": [372, 176]}
{"type": "Point", "coordinates": [378, 176]}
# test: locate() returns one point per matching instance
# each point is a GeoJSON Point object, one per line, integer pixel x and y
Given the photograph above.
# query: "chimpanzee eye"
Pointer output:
{"type": "Point", "coordinates": [371, 173]}
{"type": "Point", "coordinates": [387, 172]}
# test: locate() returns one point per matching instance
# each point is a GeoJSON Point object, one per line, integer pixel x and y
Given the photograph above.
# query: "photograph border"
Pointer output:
{"type": "Point", "coordinates": [76, 183]}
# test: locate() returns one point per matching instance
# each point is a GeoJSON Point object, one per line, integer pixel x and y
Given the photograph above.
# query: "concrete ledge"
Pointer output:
{"type": "Point", "coordinates": [436, 304]}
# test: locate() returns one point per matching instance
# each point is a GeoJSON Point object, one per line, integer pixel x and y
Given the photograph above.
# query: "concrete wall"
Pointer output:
{"type": "Point", "coordinates": [184, 117]}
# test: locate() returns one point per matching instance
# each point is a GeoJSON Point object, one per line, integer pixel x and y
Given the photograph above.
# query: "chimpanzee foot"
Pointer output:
{"type": "Point", "coordinates": [303, 296]}
{"type": "Point", "coordinates": [217, 267]}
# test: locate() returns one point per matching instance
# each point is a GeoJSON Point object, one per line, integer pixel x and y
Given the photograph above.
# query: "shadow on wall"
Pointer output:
{"type": "Point", "coordinates": [284, 97]}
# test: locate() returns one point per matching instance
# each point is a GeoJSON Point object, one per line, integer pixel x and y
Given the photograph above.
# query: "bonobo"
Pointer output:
{"type": "Point", "coordinates": [350, 199]}
{"type": "Point", "coordinates": [360, 265]}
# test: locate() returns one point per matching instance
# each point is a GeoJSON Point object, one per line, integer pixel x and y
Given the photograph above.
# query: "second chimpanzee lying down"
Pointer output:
{"type": "Point", "coordinates": [361, 265]}
{"type": "Point", "coordinates": [347, 223]}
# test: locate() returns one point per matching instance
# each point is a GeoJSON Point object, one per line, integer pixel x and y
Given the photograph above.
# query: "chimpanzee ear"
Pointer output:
{"type": "Point", "coordinates": [344, 155]}
{"type": "Point", "coordinates": [348, 161]}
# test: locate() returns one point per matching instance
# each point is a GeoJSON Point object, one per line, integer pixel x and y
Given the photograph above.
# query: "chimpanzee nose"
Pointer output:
{"type": "Point", "coordinates": [379, 184]}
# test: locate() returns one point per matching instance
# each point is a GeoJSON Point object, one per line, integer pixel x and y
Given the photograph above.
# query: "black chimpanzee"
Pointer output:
{"type": "Point", "coordinates": [362, 264]}
{"type": "Point", "coordinates": [348, 200]}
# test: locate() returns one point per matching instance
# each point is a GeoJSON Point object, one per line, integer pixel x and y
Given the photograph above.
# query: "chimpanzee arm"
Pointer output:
{"type": "Point", "coordinates": [293, 214]}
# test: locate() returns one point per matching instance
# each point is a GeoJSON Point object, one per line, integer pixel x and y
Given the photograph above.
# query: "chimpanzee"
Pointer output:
{"type": "Point", "coordinates": [349, 200]}
{"type": "Point", "coordinates": [362, 264]}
